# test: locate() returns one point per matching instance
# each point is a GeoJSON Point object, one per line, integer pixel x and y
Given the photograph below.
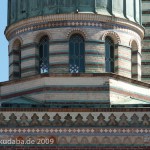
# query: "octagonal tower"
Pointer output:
{"type": "Point", "coordinates": [74, 36]}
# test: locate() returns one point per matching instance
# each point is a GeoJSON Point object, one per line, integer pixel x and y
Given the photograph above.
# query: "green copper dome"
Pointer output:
{"type": "Point", "coordinates": [23, 9]}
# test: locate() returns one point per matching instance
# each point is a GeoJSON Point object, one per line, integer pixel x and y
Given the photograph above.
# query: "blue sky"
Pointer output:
{"type": "Point", "coordinates": [3, 42]}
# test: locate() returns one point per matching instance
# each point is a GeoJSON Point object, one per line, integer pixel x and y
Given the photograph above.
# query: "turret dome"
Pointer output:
{"type": "Point", "coordinates": [22, 9]}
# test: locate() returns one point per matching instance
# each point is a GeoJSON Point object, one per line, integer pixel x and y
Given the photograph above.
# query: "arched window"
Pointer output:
{"type": "Point", "coordinates": [109, 55]}
{"type": "Point", "coordinates": [134, 60]}
{"type": "Point", "coordinates": [76, 54]}
{"type": "Point", "coordinates": [44, 55]}
{"type": "Point", "coordinates": [16, 57]}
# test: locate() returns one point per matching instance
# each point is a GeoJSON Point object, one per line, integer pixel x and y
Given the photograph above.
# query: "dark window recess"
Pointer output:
{"type": "Point", "coordinates": [130, 106]}
{"type": "Point", "coordinates": [76, 54]}
{"type": "Point", "coordinates": [109, 55]}
{"type": "Point", "coordinates": [20, 62]}
{"type": "Point", "coordinates": [44, 55]}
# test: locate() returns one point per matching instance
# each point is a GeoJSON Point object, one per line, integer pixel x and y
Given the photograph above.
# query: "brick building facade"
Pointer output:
{"type": "Point", "coordinates": [78, 75]}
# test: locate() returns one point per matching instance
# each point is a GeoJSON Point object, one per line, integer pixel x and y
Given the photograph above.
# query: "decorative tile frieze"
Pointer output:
{"type": "Point", "coordinates": [74, 120]}
{"type": "Point", "coordinates": [60, 24]}
{"type": "Point", "coordinates": [111, 131]}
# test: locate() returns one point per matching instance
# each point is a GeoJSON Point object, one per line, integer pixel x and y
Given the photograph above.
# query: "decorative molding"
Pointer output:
{"type": "Point", "coordinates": [40, 34]}
{"type": "Point", "coordinates": [89, 110]}
{"type": "Point", "coordinates": [114, 76]}
{"type": "Point", "coordinates": [15, 42]}
{"type": "Point", "coordinates": [70, 20]}
{"type": "Point", "coordinates": [134, 44]}
{"type": "Point", "coordinates": [115, 37]}
{"type": "Point", "coordinates": [92, 121]}
{"type": "Point", "coordinates": [76, 31]}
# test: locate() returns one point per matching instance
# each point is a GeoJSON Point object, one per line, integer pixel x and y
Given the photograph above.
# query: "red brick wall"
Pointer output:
{"type": "Point", "coordinates": [75, 148]}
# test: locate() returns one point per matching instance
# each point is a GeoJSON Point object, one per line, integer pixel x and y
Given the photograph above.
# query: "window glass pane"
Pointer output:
{"type": "Point", "coordinates": [20, 62]}
{"type": "Point", "coordinates": [112, 57]}
{"type": "Point", "coordinates": [44, 55]}
{"type": "Point", "coordinates": [77, 52]}
{"type": "Point", "coordinates": [109, 55]}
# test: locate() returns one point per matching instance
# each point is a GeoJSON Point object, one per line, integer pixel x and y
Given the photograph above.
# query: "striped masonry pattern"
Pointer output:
{"type": "Point", "coordinates": [146, 42]}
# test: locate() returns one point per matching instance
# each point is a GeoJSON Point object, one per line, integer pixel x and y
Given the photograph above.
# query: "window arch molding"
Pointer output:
{"type": "Point", "coordinates": [37, 37]}
{"type": "Point", "coordinates": [16, 44]}
{"type": "Point", "coordinates": [15, 41]}
{"type": "Point", "coordinates": [76, 53]}
{"type": "Point", "coordinates": [77, 31]}
{"type": "Point", "coordinates": [136, 44]}
{"type": "Point", "coordinates": [115, 37]}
